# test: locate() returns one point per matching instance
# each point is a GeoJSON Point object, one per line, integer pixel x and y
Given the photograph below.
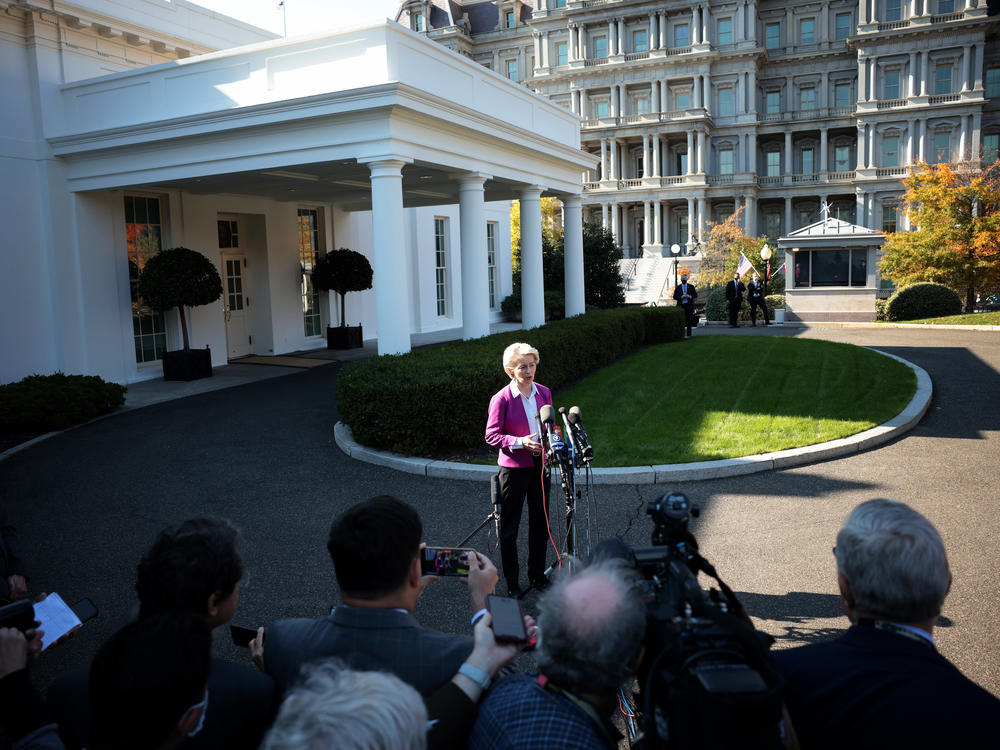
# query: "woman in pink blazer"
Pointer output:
{"type": "Point", "coordinates": [513, 428]}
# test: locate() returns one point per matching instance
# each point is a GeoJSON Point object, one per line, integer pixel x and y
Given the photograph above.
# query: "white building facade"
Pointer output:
{"type": "Point", "coordinates": [132, 127]}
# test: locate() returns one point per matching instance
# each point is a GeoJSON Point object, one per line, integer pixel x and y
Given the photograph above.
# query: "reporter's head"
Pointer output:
{"type": "Point", "coordinates": [373, 546]}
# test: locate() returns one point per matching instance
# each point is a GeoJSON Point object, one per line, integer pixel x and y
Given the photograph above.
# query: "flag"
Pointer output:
{"type": "Point", "coordinates": [281, 4]}
{"type": "Point", "coordinates": [745, 266]}
{"type": "Point", "coordinates": [782, 269]}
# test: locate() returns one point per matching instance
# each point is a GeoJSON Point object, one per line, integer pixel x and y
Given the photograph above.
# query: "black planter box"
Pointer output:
{"type": "Point", "coordinates": [187, 365]}
{"type": "Point", "coordinates": [344, 337]}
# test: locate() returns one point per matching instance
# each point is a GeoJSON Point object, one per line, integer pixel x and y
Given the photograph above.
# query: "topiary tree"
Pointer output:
{"type": "Point", "coordinates": [179, 277]}
{"type": "Point", "coordinates": [923, 301]}
{"type": "Point", "coordinates": [342, 271]}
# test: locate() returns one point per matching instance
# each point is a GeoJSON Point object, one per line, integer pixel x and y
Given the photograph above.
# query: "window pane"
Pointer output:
{"type": "Point", "coordinates": [683, 100]}
{"type": "Point", "coordinates": [640, 41]}
{"type": "Point", "coordinates": [512, 69]}
{"type": "Point", "coordinates": [842, 158]}
{"type": "Point", "coordinates": [842, 95]}
{"type": "Point", "coordinates": [600, 46]}
{"type": "Point", "coordinates": [843, 25]}
{"type": "Point", "coordinates": [807, 161]}
{"type": "Point", "coordinates": [807, 28]}
{"type": "Point", "coordinates": [441, 265]}
{"type": "Point", "coordinates": [773, 35]}
{"type": "Point", "coordinates": [727, 101]}
{"type": "Point", "coordinates": [802, 268]}
{"type": "Point", "coordinates": [942, 79]}
{"type": "Point", "coordinates": [946, 6]}
{"type": "Point", "coordinates": [773, 163]}
{"type": "Point", "coordinates": [773, 102]}
{"type": "Point", "coordinates": [942, 147]}
{"type": "Point", "coordinates": [807, 98]}
{"type": "Point", "coordinates": [859, 267]}
{"type": "Point", "coordinates": [890, 151]}
{"type": "Point", "coordinates": [830, 267]}
{"type": "Point", "coordinates": [888, 218]}
{"type": "Point", "coordinates": [993, 82]}
{"type": "Point", "coordinates": [562, 55]}
{"type": "Point", "coordinates": [725, 31]}
{"type": "Point", "coordinates": [893, 10]}
{"type": "Point", "coordinates": [726, 161]}
{"type": "Point", "coordinates": [602, 109]}
{"type": "Point", "coordinates": [991, 147]}
{"type": "Point", "coordinates": [682, 35]}
{"type": "Point", "coordinates": [891, 84]}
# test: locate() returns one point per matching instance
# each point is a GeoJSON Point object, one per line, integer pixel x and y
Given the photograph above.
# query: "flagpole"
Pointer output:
{"type": "Point", "coordinates": [284, 20]}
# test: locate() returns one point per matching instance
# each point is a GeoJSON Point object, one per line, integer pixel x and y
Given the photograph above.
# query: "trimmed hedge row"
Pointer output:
{"type": "Point", "coordinates": [436, 398]}
{"type": "Point", "coordinates": [54, 402]}
{"type": "Point", "coordinates": [716, 307]}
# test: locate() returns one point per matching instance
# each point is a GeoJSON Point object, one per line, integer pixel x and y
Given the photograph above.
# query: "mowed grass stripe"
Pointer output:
{"type": "Point", "coordinates": [719, 397]}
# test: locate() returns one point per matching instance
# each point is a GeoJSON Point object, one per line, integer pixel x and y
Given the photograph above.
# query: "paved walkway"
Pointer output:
{"type": "Point", "coordinates": [89, 501]}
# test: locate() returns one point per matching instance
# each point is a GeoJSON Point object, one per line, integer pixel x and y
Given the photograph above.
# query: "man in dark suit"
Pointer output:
{"type": "Point", "coordinates": [375, 547]}
{"type": "Point", "coordinates": [734, 298]}
{"type": "Point", "coordinates": [883, 683]}
{"type": "Point", "coordinates": [686, 294]}
{"type": "Point", "coordinates": [755, 296]}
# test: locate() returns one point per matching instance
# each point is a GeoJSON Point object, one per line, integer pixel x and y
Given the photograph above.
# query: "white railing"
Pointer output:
{"type": "Point", "coordinates": [891, 172]}
{"type": "Point", "coordinates": [678, 50]}
{"type": "Point", "coordinates": [636, 56]}
{"type": "Point", "coordinates": [721, 179]}
{"type": "Point", "coordinates": [890, 103]}
{"type": "Point", "coordinates": [765, 181]}
{"type": "Point", "coordinates": [591, 186]}
{"type": "Point", "coordinates": [592, 61]}
{"type": "Point", "coordinates": [625, 184]}
{"type": "Point", "coordinates": [802, 178]}
{"type": "Point", "coordinates": [943, 98]}
{"type": "Point", "coordinates": [840, 176]}
{"type": "Point", "coordinates": [893, 25]}
{"type": "Point", "coordinates": [672, 180]}
{"type": "Point", "coordinates": [947, 17]}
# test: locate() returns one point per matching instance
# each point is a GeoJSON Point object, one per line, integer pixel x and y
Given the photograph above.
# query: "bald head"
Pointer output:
{"type": "Point", "coordinates": [592, 625]}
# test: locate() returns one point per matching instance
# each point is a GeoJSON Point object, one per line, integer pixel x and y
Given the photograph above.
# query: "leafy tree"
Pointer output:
{"type": "Point", "coordinates": [956, 209]}
{"type": "Point", "coordinates": [342, 271]}
{"type": "Point", "coordinates": [721, 254]}
{"type": "Point", "coordinates": [179, 277]}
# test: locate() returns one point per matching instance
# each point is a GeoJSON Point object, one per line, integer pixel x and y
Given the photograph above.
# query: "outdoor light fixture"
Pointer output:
{"type": "Point", "coordinates": [765, 253]}
{"type": "Point", "coordinates": [675, 249]}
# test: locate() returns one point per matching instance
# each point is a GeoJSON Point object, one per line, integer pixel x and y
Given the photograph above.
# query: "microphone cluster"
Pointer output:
{"type": "Point", "coordinates": [579, 444]}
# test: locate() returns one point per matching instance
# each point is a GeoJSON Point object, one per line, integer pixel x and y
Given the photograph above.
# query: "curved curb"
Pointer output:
{"type": "Point", "coordinates": [668, 473]}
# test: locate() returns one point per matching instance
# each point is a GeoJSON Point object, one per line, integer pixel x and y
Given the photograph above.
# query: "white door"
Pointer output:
{"type": "Point", "coordinates": [236, 305]}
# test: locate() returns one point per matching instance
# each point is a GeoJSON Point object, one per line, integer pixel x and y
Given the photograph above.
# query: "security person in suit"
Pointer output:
{"type": "Point", "coordinates": [734, 297]}
{"type": "Point", "coordinates": [686, 294]}
{"type": "Point", "coordinates": [883, 683]}
{"type": "Point", "coordinates": [755, 296]}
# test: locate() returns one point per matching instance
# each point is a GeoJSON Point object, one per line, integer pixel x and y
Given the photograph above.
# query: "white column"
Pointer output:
{"type": "Point", "coordinates": [860, 212]}
{"type": "Point", "coordinates": [698, 91]}
{"type": "Point", "coordinates": [657, 155]}
{"type": "Point", "coordinates": [654, 97]}
{"type": "Point", "coordinates": [664, 97]}
{"type": "Point", "coordinates": [862, 78]}
{"type": "Point", "coordinates": [536, 40]}
{"type": "Point", "coordinates": [612, 37]}
{"type": "Point", "coordinates": [581, 42]}
{"type": "Point", "coordinates": [616, 230]}
{"type": "Point", "coordinates": [977, 67]}
{"type": "Point", "coordinates": [788, 153]}
{"type": "Point", "coordinates": [963, 139]}
{"type": "Point", "coordinates": [647, 162]}
{"type": "Point", "coordinates": [977, 133]}
{"type": "Point", "coordinates": [613, 148]}
{"type": "Point", "coordinates": [752, 91]}
{"type": "Point", "coordinates": [645, 225]}
{"type": "Point", "coordinates": [862, 148]}
{"type": "Point", "coordinates": [701, 151]}
{"type": "Point", "coordinates": [923, 74]}
{"type": "Point", "coordinates": [620, 37]}
{"type": "Point", "coordinates": [911, 89]}
{"type": "Point", "coordinates": [752, 154]}
{"type": "Point", "coordinates": [871, 146]}
{"type": "Point", "coordinates": [704, 23]}
{"type": "Point", "coordinates": [652, 31]}
{"type": "Point", "coordinates": [966, 53]}
{"type": "Point", "coordinates": [691, 156]}
{"type": "Point", "coordinates": [475, 278]}
{"type": "Point", "coordinates": [573, 244]}
{"type": "Point", "coordinates": [751, 215]}
{"type": "Point", "coordinates": [788, 214]}
{"type": "Point", "coordinates": [824, 164]}
{"type": "Point", "coordinates": [921, 137]}
{"type": "Point", "coordinates": [657, 221]}
{"type": "Point", "coordinates": [546, 62]}
{"type": "Point", "coordinates": [911, 141]}
{"type": "Point", "coordinates": [532, 284]}
{"type": "Point", "coordinates": [392, 294]}
{"type": "Point", "coordinates": [707, 93]}
{"type": "Point", "coordinates": [664, 42]}
{"type": "Point", "coordinates": [572, 43]}
{"type": "Point", "coordinates": [695, 27]}
{"type": "Point", "coordinates": [738, 23]}
{"type": "Point", "coordinates": [702, 207]}
{"type": "Point", "coordinates": [912, 9]}
{"type": "Point", "coordinates": [604, 216]}
{"type": "Point", "coordinates": [863, 11]}
{"type": "Point", "coordinates": [692, 229]}
{"type": "Point", "coordinates": [604, 159]}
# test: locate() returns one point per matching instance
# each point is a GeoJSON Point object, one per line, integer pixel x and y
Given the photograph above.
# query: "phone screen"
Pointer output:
{"type": "Point", "coordinates": [445, 561]}
{"type": "Point", "coordinates": [242, 636]}
{"type": "Point", "coordinates": [508, 620]}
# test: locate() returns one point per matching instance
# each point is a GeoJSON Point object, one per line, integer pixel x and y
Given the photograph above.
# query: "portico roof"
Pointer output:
{"type": "Point", "coordinates": [300, 118]}
{"type": "Point", "coordinates": [831, 232]}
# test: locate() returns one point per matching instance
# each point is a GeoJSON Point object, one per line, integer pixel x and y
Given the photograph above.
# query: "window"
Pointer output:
{"type": "Point", "coordinates": [946, 6]}
{"type": "Point", "coordinates": [725, 31]}
{"type": "Point", "coordinates": [991, 147]}
{"type": "Point", "coordinates": [308, 254]}
{"type": "Point", "coordinates": [418, 21]}
{"type": "Point", "coordinates": [807, 97]}
{"type": "Point", "coordinates": [560, 3]}
{"type": "Point", "coordinates": [441, 265]}
{"type": "Point", "coordinates": [772, 102]}
{"type": "Point", "coordinates": [805, 217]}
{"type": "Point", "coordinates": [831, 268]}
{"type": "Point", "coordinates": [893, 10]}
{"type": "Point", "coordinates": [640, 41]}
{"type": "Point", "coordinates": [942, 146]}
{"type": "Point", "coordinates": [682, 163]}
{"type": "Point", "coordinates": [890, 86]}
{"type": "Point", "coordinates": [842, 158]}
{"type": "Point", "coordinates": [642, 105]}
{"type": "Point", "coordinates": [807, 31]}
{"type": "Point", "coordinates": [600, 46]}
{"type": "Point", "coordinates": [682, 229]}
{"type": "Point", "coordinates": [772, 35]}
{"type": "Point", "coordinates": [491, 261]}
{"type": "Point", "coordinates": [890, 151]}
{"type": "Point", "coordinates": [993, 82]}
{"type": "Point", "coordinates": [726, 161]}
{"type": "Point", "coordinates": [843, 29]}
{"type": "Point", "coordinates": [773, 224]}
{"type": "Point", "coordinates": [602, 109]}
{"type": "Point", "coordinates": [511, 68]}
{"type": "Point", "coordinates": [808, 161]}
{"type": "Point", "coordinates": [942, 79]}
{"type": "Point", "coordinates": [682, 35]}
{"type": "Point", "coordinates": [842, 95]}
{"type": "Point", "coordinates": [727, 100]}
{"type": "Point", "coordinates": [773, 163]}
{"type": "Point", "coordinates": [682, 99]}
{"type": "Point", "coordinates": [562, 53]}
{"type": "Point", "coordinates": [888, 219]}
{"type": "Point", "coordinates": [508, 19]}
{"type": "Point", "coordinates": [143, 240]}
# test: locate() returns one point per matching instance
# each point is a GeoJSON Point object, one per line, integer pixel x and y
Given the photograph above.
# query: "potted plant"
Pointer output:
{"type": "Point", "coordinates": [343, 271]}
{"type": "Point", "coordinates": [181, 278]}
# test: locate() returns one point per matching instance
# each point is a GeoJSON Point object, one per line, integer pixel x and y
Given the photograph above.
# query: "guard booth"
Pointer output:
{"type": "Point", "coordinates": [831, 272]}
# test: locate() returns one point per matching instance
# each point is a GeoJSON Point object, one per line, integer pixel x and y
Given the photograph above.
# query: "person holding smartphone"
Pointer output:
{"type": "Point", "coordinates": [511, 426]}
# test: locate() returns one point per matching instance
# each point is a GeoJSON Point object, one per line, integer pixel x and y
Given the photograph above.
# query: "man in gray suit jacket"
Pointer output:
{"type": "Point", "coordinates": [375, 547]}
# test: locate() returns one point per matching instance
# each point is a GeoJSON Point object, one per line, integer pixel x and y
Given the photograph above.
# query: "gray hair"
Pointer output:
{"type": "Point", "coordinates": [591, 644]}
{"type": "Point", "coordinates": [335, 707]}
{"type": "Point", "coordinates": [515, 350]}
{"type": "Point", "coordinates": [894, 560]}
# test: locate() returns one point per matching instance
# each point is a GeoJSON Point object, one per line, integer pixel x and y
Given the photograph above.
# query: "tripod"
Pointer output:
{"type": "Point", "coordinates": [494, 516]}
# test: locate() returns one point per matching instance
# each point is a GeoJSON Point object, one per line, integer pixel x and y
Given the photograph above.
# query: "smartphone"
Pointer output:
{"type": "Point", "coordinates": [19, 615]}
{"type": "Point", "coordinates": [508, 620]}
{"type": "Point", "coordinates": [445, 561]}
{"type": "Point", "coordinates": [85, 610]}
{"type": "Point", "coordinates": [242, 636]}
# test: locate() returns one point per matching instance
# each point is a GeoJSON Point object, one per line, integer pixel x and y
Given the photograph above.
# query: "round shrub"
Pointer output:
{"type": "Point", "coordinates": [54, 402]}
{"type": "Point", "coordinates": [775, 301]}
{"type": "Point", "coordinates": [716, 307]}
{"type": "Point", "coordinates": [923, 301]}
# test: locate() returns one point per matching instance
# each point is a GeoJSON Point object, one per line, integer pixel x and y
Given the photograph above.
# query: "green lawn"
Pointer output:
{"type": "Point", "coordinates": [970, 319]}
{"type": "Point", "coordinates": [714, 397]}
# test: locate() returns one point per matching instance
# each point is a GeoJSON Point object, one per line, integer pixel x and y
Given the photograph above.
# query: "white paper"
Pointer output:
{"type": "Point", "coordinates": [56, 617]}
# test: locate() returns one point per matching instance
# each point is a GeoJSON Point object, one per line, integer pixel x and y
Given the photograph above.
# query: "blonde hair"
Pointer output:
{"type": "Point", "coordinates": [515, 350]}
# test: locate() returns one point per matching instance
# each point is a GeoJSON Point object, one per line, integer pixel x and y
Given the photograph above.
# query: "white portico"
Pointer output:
{"type": "Point", "coordinates": [365, 124]}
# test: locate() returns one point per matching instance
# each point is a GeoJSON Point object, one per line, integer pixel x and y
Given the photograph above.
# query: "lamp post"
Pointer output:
{"type": "Point", "coordinates": [765, 253]}
{"type": "Point", "coordinates": [675, 249]}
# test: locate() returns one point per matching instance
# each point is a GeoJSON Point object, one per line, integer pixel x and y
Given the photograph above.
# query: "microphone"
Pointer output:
{"type": "Point", "coordinates": [579, 435]}
{"type": "Point", "coordinates": [557, 446]}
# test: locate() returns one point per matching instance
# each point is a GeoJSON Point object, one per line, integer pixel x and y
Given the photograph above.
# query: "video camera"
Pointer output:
{"type": "Point", "coordinates": [706, 680]}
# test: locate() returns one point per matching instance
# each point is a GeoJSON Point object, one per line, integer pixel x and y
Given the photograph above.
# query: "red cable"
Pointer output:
{"type": "Point", "coordinates": [548, 526]}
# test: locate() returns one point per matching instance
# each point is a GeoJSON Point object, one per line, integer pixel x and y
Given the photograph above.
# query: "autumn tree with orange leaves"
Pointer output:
{"type": "Point", "coordinates": [955, 210]}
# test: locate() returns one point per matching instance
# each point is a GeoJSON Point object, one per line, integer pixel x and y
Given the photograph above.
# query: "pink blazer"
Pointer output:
{"type": "Point", "coordinates": [507, 422]}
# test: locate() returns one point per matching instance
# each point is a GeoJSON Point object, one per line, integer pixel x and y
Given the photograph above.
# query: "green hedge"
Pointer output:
{"type": "Point", "coordinates": [717, 309]}
{"type": "Point", "coordinates": [555, 305]}
{"type": "Point", "coordinates": [775, 302]}
{"type": "Point", "coordinates": [54, 402]}
{"type": "Point", "coordinates": [436, 398]}
{"type": "Point", "coordinates": [923, 301]}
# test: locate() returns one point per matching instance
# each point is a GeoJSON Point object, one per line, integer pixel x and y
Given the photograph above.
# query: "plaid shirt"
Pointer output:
{"type": "Point", "coordinates": [518, 713]}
